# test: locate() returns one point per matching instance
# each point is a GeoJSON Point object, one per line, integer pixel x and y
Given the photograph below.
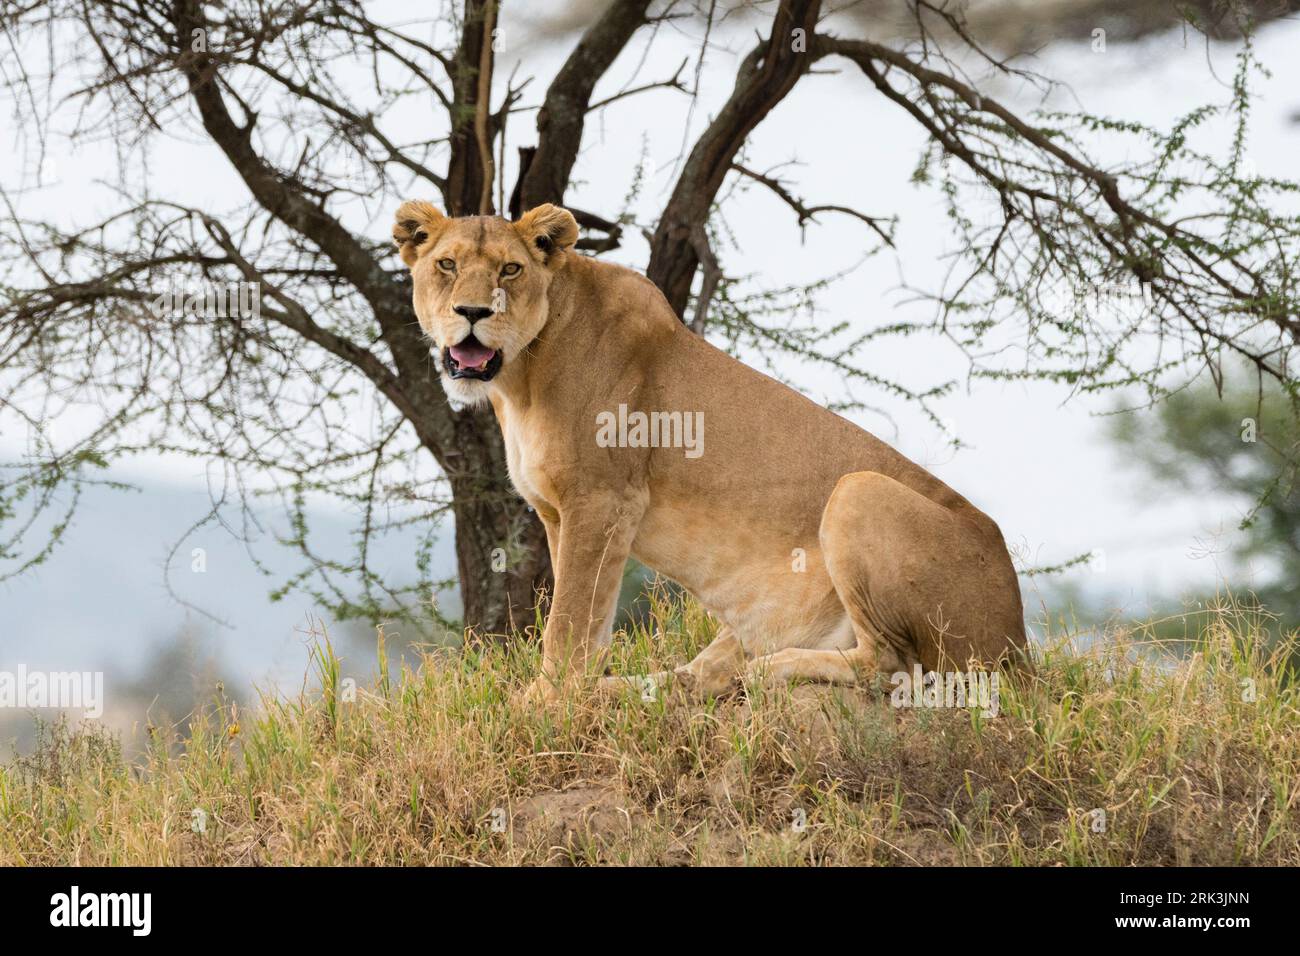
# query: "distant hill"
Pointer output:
{"type": "Point", "coordinates": [101, 601]}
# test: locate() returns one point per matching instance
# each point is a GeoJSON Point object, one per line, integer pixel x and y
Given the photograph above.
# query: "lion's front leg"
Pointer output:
{"type": "Point", "coordinates": [594, 542]}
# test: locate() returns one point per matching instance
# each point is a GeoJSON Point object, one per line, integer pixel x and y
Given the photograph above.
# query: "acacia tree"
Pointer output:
{"type": "Point", "coordinates": [294, 96]}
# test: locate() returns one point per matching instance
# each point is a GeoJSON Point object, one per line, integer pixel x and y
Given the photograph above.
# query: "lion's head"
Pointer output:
{"type": "Point", "coordinates": [481, 286]}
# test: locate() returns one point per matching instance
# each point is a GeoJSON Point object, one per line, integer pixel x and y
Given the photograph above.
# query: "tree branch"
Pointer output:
{"type": "Point", "coordinates": [809, 213]}
{"type": "Point", "coordinates": [1126, 238]}
{"type": "Point", "coordinates": [563, 114]}
{"type": "Point", "coordinates": [672, 83]}
{"type": "Point", "coordinates": [766, 75]}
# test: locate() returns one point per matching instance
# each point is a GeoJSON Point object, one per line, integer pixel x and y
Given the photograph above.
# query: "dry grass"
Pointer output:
{"type": "Point", "coordinates": [444, 765]}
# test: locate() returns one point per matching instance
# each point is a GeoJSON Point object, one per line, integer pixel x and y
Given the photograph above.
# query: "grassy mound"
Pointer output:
{"type": "Point", "coordinates": [1123, 753]}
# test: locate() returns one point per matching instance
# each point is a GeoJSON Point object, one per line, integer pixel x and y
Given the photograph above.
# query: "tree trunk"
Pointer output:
{"type": "Point", "coordinates": [502, 558]}
{"type": "Point", "coordinates": [465, 182]}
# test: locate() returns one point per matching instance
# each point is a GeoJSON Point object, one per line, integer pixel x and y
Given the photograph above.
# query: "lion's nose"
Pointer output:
{"type": "Point", "coordinates": [472, 312]}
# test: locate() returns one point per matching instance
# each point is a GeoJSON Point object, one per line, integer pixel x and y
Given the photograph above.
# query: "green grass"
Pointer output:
{"type": "Point", "coordinates": [1194, 758]}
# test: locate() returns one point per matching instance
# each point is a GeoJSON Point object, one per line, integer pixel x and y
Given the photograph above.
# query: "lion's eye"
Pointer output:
{"type": "Point", "coordinates": [447, 265]}
{"type": "Point", "coordinates": [511, 269]}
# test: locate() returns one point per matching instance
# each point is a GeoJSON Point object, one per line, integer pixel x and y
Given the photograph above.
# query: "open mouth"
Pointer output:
{"type": "Point", "coordinates": [471, 359]}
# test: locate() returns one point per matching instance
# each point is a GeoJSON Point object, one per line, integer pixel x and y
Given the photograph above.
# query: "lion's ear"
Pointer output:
{"type": "Point", "coordinates": [416, 223]}
{"type": "Point", "coordinates": [549, 230]}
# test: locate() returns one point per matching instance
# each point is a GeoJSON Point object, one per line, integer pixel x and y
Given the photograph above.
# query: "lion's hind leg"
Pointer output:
{"type": "Point", "coordinates": [848, 666]}
{"type": "Point", "coordinates": [920, 582]}
{"type": "Point", "coordinates": [714, 671]}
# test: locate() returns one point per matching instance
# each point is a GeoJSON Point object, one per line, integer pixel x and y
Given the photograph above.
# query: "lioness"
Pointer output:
{"type": "Point", "coordinates": [823, 552]}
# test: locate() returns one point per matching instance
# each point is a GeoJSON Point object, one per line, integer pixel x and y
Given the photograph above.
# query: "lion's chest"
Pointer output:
{"type": "Point", "coordinates": [526, 460]}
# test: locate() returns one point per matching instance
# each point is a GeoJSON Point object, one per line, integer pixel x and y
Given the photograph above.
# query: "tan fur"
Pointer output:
{"type": "Point", "coordinates": [824, 553]}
